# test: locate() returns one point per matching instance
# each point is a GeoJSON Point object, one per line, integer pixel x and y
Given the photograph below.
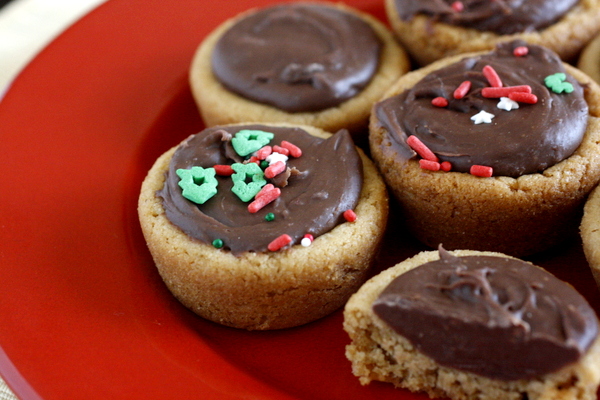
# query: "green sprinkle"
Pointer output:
{"type": "Point", "coordinates": [558, 84]}
{"type": "Point", "coordinates": [198, 184]}
{"type": "Point", "coordinates": [217, 243]}
{"type": "Point", "coordinates": [247, 141]}
{"type": "Point", "coordinates": [270, 217]}
{"type": "Point", "coordinates": [264, 164]}
{"type": "Point", "coordinates": [247, 191]}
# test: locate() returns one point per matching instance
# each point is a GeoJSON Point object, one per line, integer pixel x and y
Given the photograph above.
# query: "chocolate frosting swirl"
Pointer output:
{"type": "Point", "coordinates": [297, 57]}
{"type": "Point", "coordinates": [500, 16]}
{"type": "Point", "coordinates": [496, 317]}
{"type": "Point", "coordinates": [325, 181]}
{"type": "Point", "coordinates": [517, 142]}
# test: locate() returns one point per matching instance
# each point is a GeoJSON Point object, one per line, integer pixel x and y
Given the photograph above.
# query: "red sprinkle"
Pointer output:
{"type": "Point", "coordinates": [492, 76]}
{"type": "Point", "coordinates": [280, 242]}
{"type": "Point", "coordinates": [446, 166]}
{"type": "Point", "coordinates": [275, 169]}
{"type": "Point", "coordinates": [267, 188]}
{"type": "Point", "coordinates": [264, 152]}
{"type": "Point", "coordinates": [520, 97]}
{"type": "Point", "coordinates": [224, 170]}
{"type": "Point", "coordinates": [350, 215]}
{"type": "Point", "coordinates": [309, 237]}
{"type": "Point", "coordinates": [292, 148]}
{"type": "Point", "coordinates": [497, 92]}
{"type": "Point", "coordinates": [462, 90]}
{"type": "Point", "coordinates": [521, 51]}
{"type": "Point", "coordinates": [264, 199]}
{"type": "Point", "coordinates": [254, 159]}
{"type": "Point", "coordinates": [439, 102]}
{"type": "Point", "coordinates": [422, 150]}
{"type": "Point", "coordinates": [481, 170]}
{"type": "Point", "coordinates": [281, 150]}
{"type": "Point", "coordinates": [458, 6]}
{"type": "Point", "coordinates": [430, 165]}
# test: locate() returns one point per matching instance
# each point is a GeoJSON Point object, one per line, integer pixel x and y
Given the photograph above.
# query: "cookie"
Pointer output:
{"type": "Point", "coordinates": [590, 233]}
{"type": "Point", "coordinates": [589, 60]}
{"type": "Point", "coordinates": [519, 170]}
{"type": "Point", "coordinates": [431, 30]}
{"type": "Point", "coordinates": [249, 237]}
{"type": "Point", "coordinates": [470, 324]}
{"type": "Point", "coordinates": [314, 64]}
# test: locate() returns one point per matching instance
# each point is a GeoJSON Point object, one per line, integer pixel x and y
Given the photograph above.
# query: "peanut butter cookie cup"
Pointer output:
{"type": "Point", "coordinates": [261, 226]}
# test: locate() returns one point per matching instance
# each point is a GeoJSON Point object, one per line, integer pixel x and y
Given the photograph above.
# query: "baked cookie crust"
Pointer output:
{"type": "Point", "coordinates": [377, 353]}
{"type": "Point", "coordinates": [274, 290]}
{"type": "Point", "coordinates": [589, 60]}
{"type": "Point", "coordinates": [590, 233]}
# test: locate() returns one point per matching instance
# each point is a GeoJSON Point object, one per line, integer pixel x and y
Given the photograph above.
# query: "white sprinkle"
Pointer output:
{"type": "Point", "coordinates": [507, 104]}
{"type": "Point", "coordinates": [274, 157]}
{"type": "Point", "coordinates": [482, 117]}
{"type": "Point", "coordinates": [305, 242]}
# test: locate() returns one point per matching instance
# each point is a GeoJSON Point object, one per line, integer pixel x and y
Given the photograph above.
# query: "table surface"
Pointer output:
{"type": "Point", "coordinates": [26, 27]}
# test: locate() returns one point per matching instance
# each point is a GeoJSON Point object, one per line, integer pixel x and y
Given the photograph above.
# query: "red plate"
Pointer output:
{"type": "Point", "coordinates": [84, 312]}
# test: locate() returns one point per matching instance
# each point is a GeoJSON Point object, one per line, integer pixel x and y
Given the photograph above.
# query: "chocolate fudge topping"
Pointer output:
{"type": "Point", "coordinates": [297, 57]}
{"type": "Point", "coordinates": [496, 317]}
{"type": "Point", "coordinates": [500, 16]}
{"type": "Point", "coordinates": [321, 184]}
{"type": "Point", "coordinates": [514, 142]}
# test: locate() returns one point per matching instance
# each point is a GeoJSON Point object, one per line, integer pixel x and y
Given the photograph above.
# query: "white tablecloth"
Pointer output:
{"type": "Point", "coordinates": [26, 27]}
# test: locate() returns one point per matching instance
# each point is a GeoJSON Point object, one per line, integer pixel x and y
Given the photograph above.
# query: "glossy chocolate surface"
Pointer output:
{"type": "Point", "coordinates": [521, 141]}
{"type": "Point", "coordinates": [297, 57]}
{"type": "Point", "coordinates": [324, 181]}
{"type": "Point", "coordinates": [499, 16]}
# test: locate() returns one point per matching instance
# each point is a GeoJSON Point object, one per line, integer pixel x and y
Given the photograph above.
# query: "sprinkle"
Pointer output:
{"type": "Point", "coordinates": [446, 166]}
{"type": "Point", "coordinates": [267, 188]}
{"type": "Point", "coordinates": [280, 242]}
{"type": "Point", "coordinates": [292, 148]}
{"type": "Point", "coordinates": [275, 169]}
{"type": "Point", "coordinates": [264, 152]}
{"type": "Point", "coordinates": [558, 83]}
{"type": "Point", "coordinates": [254, 160]}
{"type": "Point", "coordinates": [481, 170]}
{"type": "Point", "coordinates": [429, 165]}
{"type": "Point", "coordinates": [270, 217]}
{"type": "Point", "coordinates": [247, 141]}
{"type": "Point", "coordinates": [274, 157]}
{"type": "Point", "coordinates": [198, 184]}
{"type": "Point", "coordinates": [439, 102]}
{"type": "Point", "coordinates": [462, 90]}
{"type": "Point", "coordinates": [507, 104]}
{"type": "Point", "coordinates": [482, 117]}
{"type": "Point", "coordinates": [307, 240]}
{"type": "Point", "coordinates": [247, 191]}
{"type": "Point", "coordinates": [496, 92]}
{"type": "Point", "coordinates": [492, 76]}
{"type": "Point", "coordinates": [281, 150]}
{"type": "Point", "coordinates": [350, 215]}
{"type": "Point", "coordinates": [264, 199]}
{"type": "Point", "coordinates": [521, 51]}
{"type": "Point", "coordinates": [458, 6]}
{"type": "Point", "coordinates": [417, 145]}
{"type": "Point", "coordinates": [528, 98]}
{"type": "Point", "coordinates": [264, 164]}
{"type": "Point", "coordinates": [217, 243]}
{"type": "Point", "coordinates": [223, 170]}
